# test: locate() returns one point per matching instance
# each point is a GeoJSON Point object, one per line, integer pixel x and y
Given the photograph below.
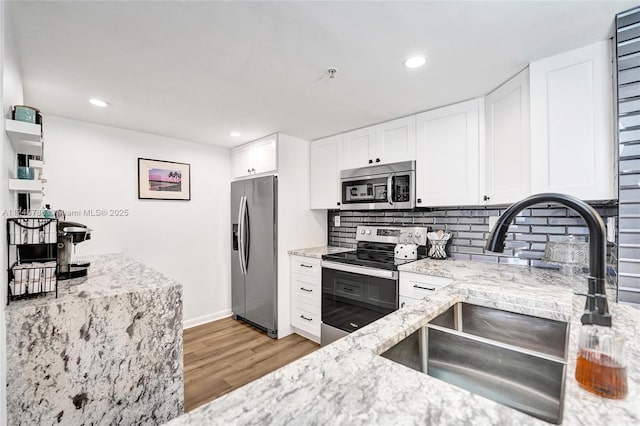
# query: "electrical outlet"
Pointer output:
{"type": "Point", "coordinates": [611, 229]}
{"type": "Point", "coordinates": [492, 221]}
{"type": "Point", "coordinates": [336, 221]}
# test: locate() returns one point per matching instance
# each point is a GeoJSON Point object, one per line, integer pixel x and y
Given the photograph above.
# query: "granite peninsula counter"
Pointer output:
{"type": "Point", "coordinates": [108, 350]}
{"type": "Point", "coordinates": [347, 382]}
{"type": "Point", "coordinates": [318, 252]}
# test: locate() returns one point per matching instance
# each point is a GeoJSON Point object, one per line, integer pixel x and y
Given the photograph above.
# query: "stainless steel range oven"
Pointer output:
{"type": "Point", "coordinates": [389, 186]}
{"type": "Point", "coordinates": [361, 286]}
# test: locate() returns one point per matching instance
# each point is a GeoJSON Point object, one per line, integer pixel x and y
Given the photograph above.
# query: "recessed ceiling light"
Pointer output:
{"type": "Point", "coordinates": [98, 102]}
{"type": "Point", "coordinates": [415, 62]}
{"type": "Point", "coordinates": [234, 134]}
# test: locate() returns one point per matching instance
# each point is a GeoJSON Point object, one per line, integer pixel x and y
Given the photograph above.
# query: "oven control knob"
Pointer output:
{"type": "Point", "coordinates": [368, 231]}
{"type": "Point", "coordinates": [417, 235]}
{"type": "Point", "coordinates": [362, 231]}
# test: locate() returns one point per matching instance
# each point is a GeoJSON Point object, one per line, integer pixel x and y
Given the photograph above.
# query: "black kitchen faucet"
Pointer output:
{"type": "Point", "coordinates": [596, 309]}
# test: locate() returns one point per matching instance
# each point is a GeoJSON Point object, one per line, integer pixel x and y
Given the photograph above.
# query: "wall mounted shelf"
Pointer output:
{"type": "Point", "coordinates": [26, 138]}
{"type": "Point", "coordinates": [25, 185]}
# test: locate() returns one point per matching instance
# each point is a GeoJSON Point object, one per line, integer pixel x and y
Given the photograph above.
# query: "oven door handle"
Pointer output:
{"type": "Point", "coordinates": [372, 272]}
{"type": "Point", "coordinates": [390, 188]}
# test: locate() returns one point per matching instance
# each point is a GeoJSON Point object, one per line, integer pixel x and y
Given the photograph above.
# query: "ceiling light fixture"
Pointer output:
{"type": "Point", "coordinates": [98, 102]}
{"type": "Point", "coordinates": [415, 62]}
{"type": "Point", "coordinates": [234, 134]}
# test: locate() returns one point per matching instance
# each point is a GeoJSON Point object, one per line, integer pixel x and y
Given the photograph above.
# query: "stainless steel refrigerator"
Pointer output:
{"type": "Point", "coordinates": [254, 257]}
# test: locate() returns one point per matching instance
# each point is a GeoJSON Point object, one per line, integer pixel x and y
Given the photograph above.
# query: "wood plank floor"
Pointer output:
{"type": "Point", "coordinates": [223, 355]}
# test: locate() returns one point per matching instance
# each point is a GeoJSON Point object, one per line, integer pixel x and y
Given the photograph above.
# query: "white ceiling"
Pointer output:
{"type": "Point", "coordinates": [198, 70]}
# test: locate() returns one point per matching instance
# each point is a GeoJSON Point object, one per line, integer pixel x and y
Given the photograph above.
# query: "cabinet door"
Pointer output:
{"type": "Point", "coordinates": [396, 140]}
{"type": "Point", "coordinates": [242, 160]}
{"type": "Point", "coordinates": [265, 154]}
{"type": "Point", "coordinates": [325, 173]}
{"type": "Point", "coordinates": [407, 301]}
{"type": "Point", "coordinates": [571, 125]}
{"type": "Point", "coordinates": [448, 143]}
{"type": "Point", "coordinates": [358, 147]}
{"type": "Point", "coordinates": [507, 155]}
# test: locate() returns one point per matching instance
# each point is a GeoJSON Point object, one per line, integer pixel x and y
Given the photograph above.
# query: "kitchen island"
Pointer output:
{"type": "Point", "coordinates": [347, 382]}
{"type": "Point", "coordinates": [108, 350]}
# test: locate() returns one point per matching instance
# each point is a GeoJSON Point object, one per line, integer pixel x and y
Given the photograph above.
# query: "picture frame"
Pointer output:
{"type": "Point", "coordinates": [163, 180]}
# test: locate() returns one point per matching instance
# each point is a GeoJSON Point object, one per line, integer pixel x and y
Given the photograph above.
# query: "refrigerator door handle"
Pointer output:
{"type": "Point", "coordinates": [241, 235]}
{"type": "Point", "coordinates": [247, 235]}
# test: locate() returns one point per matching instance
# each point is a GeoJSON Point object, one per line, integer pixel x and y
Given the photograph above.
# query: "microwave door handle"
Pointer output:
{"type": "Point", "coordinates": [390, 188]}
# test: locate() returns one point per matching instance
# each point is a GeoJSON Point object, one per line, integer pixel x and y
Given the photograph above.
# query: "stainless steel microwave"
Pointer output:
{"type": "Point", "coordinates": [384, 187]}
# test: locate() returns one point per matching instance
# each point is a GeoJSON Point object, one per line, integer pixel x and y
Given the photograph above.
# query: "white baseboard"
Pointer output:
{"type": "Point", "coordinates": [307, 335]}
{"type": "Point", "coordinates": [206, 318]}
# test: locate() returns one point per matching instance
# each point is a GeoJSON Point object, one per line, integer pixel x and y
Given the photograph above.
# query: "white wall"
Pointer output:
{"type": "Point", "coordinates": [89, 166]}
{"type": "Point", "coordinates": [298, 226]}
{"type": "Point", "coordinates": [10, 94]}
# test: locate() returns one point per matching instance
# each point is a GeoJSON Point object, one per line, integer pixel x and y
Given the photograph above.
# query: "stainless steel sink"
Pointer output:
{"type": "Point", "coordinates": [514, 359]}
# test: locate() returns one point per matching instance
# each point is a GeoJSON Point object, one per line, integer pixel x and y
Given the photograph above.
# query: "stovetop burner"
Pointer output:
{"type": "Point", "coordinates": [380, 258]}
{"type": "Point", "coordinates": [376, 246]}
{"type": "Point", "coordinates": [367, 258]}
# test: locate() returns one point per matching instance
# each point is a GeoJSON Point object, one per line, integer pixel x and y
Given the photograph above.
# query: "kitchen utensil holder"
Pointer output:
{"type": "Point", "coordinates": [32, 256]}
{"type": "Point", "coordinates": [437, 249]}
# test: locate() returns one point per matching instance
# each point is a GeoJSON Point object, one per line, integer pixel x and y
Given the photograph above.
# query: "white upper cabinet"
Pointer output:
{"type": "Point", "coordinates": [396, 141]}
{"type": "Point", "coordinates": [384, 143]}
{"type": "Point", "coordinates": [448, 147]}
{"type": "Point", "coordinates": [255, 157]}
{"type": "Point", "coordinates": [571, 123]}
{"type": "Point", "coordinates": [265, 154]}
{"type": "Point", "coordinates": [325, 173]}
{"type": "Point", "coordinates": [242, 157]}
{"type": "Point", "coordinates": [507, 163]}
{"type": "Point", "coordinates": [358, 148]}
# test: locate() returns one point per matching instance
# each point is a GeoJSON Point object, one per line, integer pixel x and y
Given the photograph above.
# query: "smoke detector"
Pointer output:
{"type": "Point", "coordinates": [331, 72]}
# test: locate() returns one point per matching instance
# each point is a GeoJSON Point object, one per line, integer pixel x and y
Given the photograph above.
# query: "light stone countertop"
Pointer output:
{"type": "Point", "coordinates": [108, 350]}
{"type": "Point", "coordinates": [347, 382]}
{"type": "Point", "coordinates": [109, 275]}
{"type": "Point", "coordinates": [318, 252]}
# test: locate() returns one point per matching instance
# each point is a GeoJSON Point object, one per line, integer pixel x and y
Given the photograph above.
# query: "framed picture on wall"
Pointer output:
{"type": "Point", "coordinates": [163, 180]}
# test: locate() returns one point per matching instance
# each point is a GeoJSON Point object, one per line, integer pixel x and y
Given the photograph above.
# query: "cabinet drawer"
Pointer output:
{"type": "Point", "coordinates": [418, 286]}
{"type": "Point", "coordinates": [306, 266]}
{"type": "Point", "coordinates": [306, 289]}
{"type": "Point", "coordinates": [306, 317]}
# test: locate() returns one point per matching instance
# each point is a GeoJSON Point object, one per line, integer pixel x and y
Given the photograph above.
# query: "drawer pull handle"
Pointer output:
{"type": "Point", "coordinates": [350, 290]}
{"type": "Point", "coordinates": [354, 325]}
{"type": "Point", "coordinates": [423, 288]}
{"type": "Point", "coordinates": [306, 289]}
{"type": "Point", "coordinates": [305, 318]}
{"type": "Point", "coordinates": [306, 266]}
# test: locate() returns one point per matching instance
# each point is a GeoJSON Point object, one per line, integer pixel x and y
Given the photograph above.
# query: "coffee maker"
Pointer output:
{"type": "Point", "coordinates": [70, 234]}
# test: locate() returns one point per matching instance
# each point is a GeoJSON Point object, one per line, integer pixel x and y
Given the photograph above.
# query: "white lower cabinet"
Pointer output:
{"type": "Point", "coordinates": [306, 299]}
{"type": "Point", "coordinates": [415, 287]}
{"type": "Point", "coordinates": [407, 301]}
